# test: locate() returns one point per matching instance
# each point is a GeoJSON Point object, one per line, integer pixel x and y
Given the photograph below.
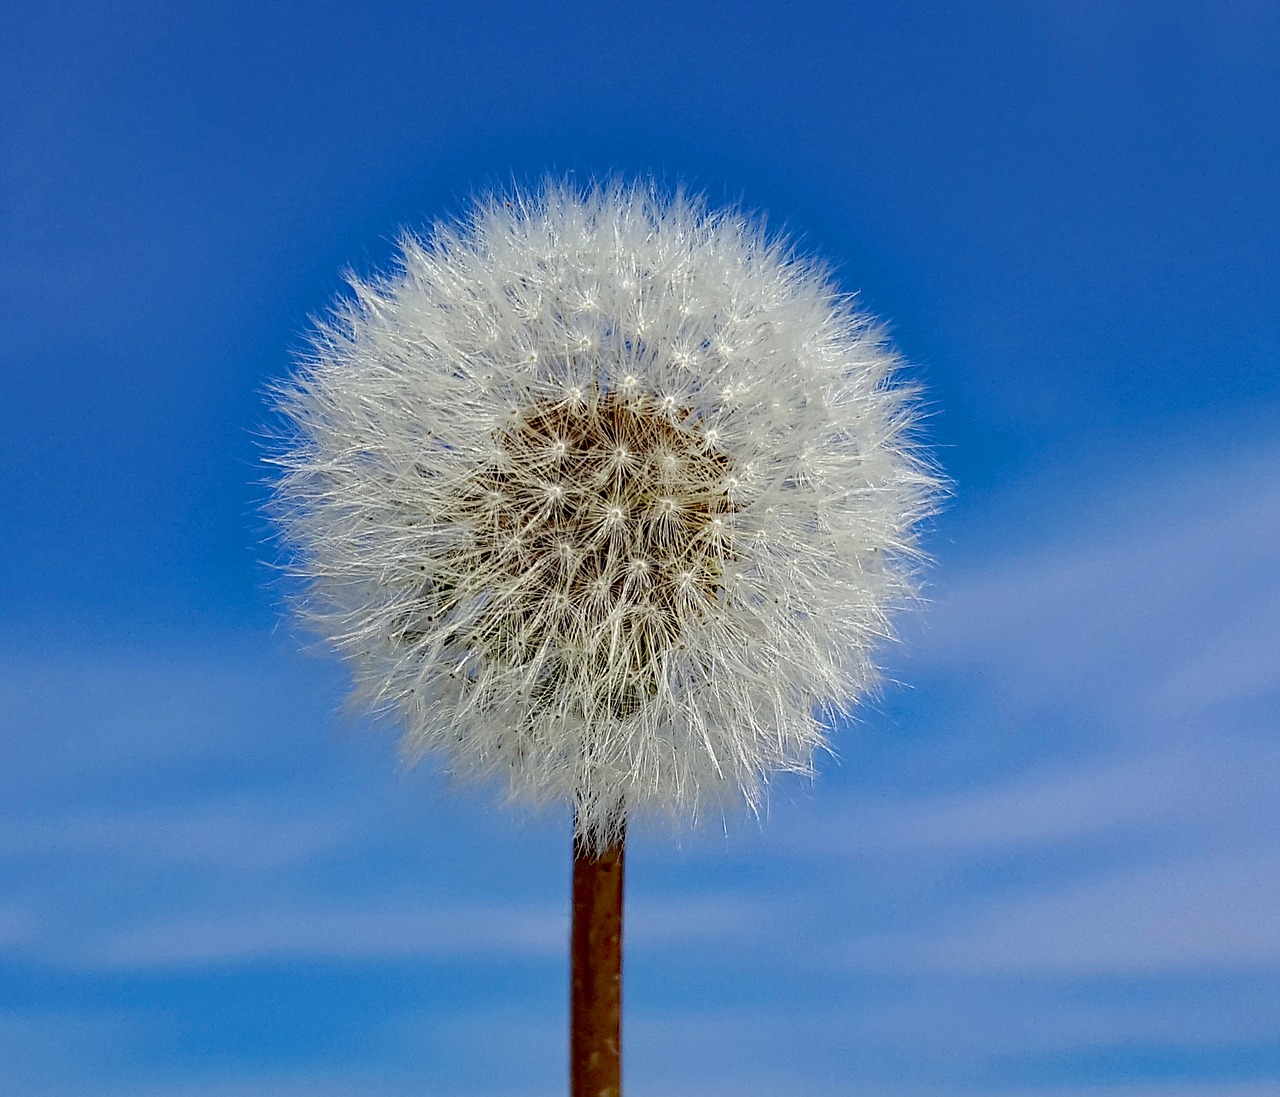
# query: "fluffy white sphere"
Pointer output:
{"type": "Point", "coordinates": [606, 492]}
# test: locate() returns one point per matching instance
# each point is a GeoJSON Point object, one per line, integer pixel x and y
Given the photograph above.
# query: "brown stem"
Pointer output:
{"type": "Point", "coordinates": [595, 1027]}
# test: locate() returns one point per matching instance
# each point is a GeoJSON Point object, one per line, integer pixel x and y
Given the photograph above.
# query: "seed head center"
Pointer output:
{"type": "Point", "coordinates": [598, 534]}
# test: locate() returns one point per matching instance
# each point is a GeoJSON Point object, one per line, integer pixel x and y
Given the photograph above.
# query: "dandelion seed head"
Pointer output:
{"type": "Point", "coordinates": [608, 493]}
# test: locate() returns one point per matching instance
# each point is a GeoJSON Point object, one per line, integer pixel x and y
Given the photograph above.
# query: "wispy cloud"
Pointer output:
{"type": "Point", "coordinates": [1205, 915]}
{"type": "Point", "coordinates": [1133, 600]}
{"type": "Point", "coordinates": [329, 932]}
{"type": "Point", "coordinates": [245, 836]}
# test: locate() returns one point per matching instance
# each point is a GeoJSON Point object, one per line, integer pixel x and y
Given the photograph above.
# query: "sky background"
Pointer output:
{"type": "Point", "coordinates": [1046, 863]}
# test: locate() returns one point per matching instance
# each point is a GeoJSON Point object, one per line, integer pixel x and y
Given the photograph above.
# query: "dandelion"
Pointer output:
{"type": "Point", "coordinates": [610, 495]}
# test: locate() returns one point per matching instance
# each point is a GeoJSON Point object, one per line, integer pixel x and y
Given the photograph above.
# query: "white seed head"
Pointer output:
{"type": "Point", "coordinates": [639, 564]}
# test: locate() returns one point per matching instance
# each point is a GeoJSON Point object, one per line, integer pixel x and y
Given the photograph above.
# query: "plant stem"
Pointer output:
{"type": "Point", "coordinates": [595, 1027]}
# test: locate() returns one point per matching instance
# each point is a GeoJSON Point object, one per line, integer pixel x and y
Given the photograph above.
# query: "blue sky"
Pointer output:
{"type": "Point", "coordinates": [1046, 860]}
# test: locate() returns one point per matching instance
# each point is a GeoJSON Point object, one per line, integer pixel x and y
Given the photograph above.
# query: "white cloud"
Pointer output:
{"type": "Point", "coordinates": [17, 926]}
{"type": "Point", "coordinates": [1193, 791]}
{"type": "Point", "coordinates": [379, 928]}
{"type": "Point", "coordinates": [80, 721]}
{"type": "Point", "coordinates": [368, 931]}
{"type": "Point", "coordinates": [1199, 916]}
{"type": "Point", "coordinates": [1163, 593]}
{"type": "Point", "coordinates": [1238, 660]}
{"type": "Point", "coordinates": [245, 836]}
